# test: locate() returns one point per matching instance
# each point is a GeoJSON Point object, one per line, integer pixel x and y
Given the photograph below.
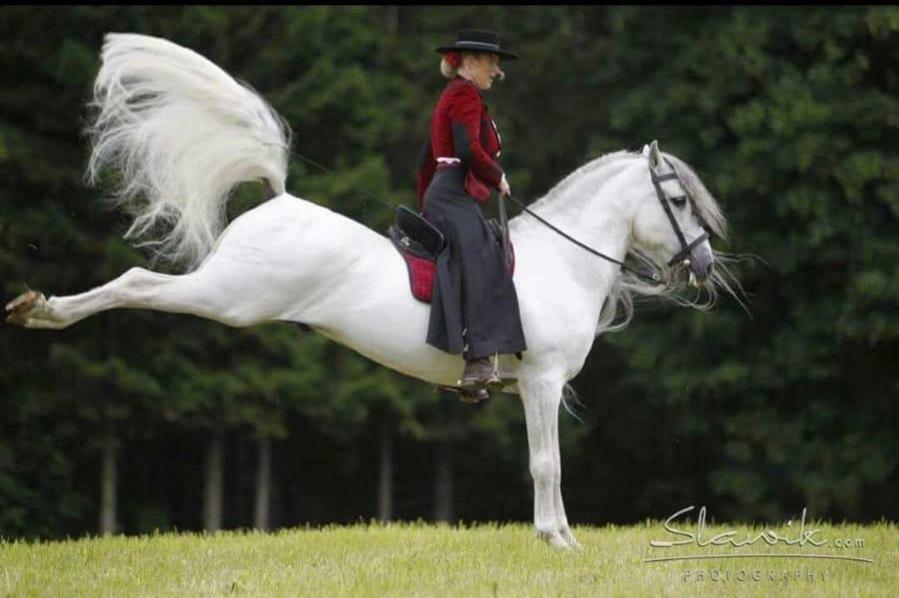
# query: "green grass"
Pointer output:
{"type": "Point", "coordinates": [428, 560]}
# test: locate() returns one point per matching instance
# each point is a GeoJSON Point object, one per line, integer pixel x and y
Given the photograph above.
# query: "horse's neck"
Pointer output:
{"type": "Point", "coordinates": [594, 208]}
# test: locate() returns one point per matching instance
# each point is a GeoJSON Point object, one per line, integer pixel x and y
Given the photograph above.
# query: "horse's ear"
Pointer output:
{"type": "Point", "coordinates": [655, 156]}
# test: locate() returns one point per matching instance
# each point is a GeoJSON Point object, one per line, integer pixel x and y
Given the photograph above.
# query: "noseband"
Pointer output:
{"type": "Point", "coordinates": [684, 254]}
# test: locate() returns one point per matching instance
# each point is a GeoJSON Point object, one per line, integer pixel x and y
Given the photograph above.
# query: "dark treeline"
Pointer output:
{"type": "Point", "coordinates": [133, 421]}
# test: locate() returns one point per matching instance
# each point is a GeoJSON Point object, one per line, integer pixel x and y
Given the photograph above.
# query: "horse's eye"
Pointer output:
{"type": "Point", "coordinates": [679, 201]}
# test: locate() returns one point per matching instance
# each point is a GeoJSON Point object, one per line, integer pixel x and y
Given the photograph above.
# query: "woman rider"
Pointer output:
{"type": "Point", "coordinates": [474, 307]}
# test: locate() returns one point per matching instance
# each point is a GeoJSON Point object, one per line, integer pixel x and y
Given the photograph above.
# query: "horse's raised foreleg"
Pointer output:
{"type": "Point", "coordinates": [202, 293]}
{"type": "Point", "coordinates": [541, 396]}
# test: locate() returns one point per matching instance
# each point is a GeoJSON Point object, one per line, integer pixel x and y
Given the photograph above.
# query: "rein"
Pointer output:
{"type": "Point", "coordinates": [654, 277]}
{"type": "Point", "coordinates": [681, 256]}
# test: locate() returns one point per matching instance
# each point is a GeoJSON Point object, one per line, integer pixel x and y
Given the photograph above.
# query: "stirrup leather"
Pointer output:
{"type": "Point", "coordinates": [494, 383]}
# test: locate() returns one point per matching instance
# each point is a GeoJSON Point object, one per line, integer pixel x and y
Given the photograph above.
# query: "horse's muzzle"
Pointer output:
{"type": "Point", "coordinates": [700, 265]}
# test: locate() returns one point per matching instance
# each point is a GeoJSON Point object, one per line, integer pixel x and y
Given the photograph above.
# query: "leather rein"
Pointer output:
{"type": "Point", "coordinates": [681, 256]}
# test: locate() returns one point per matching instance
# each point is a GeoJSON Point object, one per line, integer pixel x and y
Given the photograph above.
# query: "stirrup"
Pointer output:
{"type": "Point", "coordinates": [476, 380]}
{"type": "Point", "coordinates": [473, 398]}
{"type": "Point", "coordinates": [499, 380]}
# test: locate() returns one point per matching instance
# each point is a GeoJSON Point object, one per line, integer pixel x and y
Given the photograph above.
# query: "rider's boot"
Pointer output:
{"type": "Point", "coordinates": [484, 372]}
{"type": "Point", "coordinates": [478, 372]}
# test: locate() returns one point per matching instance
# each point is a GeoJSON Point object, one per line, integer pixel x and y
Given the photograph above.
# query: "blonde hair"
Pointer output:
{"type": "Point", "coordinates": [449, 71]}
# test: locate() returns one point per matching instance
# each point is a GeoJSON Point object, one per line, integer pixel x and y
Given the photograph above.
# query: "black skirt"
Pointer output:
{"type": "Point", "coordinates": [474, 307]}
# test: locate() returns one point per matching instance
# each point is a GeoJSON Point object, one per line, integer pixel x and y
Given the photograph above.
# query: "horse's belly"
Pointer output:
{"type": "Point", "coordinates": [368, 315]}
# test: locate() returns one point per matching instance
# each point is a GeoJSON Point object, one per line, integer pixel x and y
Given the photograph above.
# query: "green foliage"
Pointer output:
{"type": "Point", "coordinates": [788, 114]}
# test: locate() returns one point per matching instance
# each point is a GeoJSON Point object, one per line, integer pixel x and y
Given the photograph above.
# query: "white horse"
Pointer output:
{"type": "Point", "coordinates": [183, 133]}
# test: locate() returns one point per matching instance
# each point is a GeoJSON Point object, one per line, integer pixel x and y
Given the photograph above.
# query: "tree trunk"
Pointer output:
{"type": "Point", "coordinates": [109, 448]}
{"type": "Point", "coordinates": [443, 482]}
{"type": "Point", "coordinates": [385, 482]}
{"type": "Point", "coordinates": [263, 483]}
{"type": "Point", "coordinates": [108, 483]}
{"type": "Point", "coordinates": [276, 499]}
{"type": "Point", "coordinates": [212, 495]}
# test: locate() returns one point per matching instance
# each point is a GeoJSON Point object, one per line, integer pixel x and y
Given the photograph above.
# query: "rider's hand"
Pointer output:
{"type": "Point", "coordinates": [504, 188]}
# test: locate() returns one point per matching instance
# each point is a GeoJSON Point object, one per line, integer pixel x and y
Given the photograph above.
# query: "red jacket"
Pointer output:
{"type": "Point", "coordinates": [462, 128]}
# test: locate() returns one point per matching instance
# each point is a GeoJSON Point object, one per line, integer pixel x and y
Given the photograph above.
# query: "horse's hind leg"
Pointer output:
{"type": "Point", "coordinates": [205, 293]}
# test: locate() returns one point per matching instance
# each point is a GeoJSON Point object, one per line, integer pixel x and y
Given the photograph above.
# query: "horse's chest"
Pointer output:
{"type": "Point", "coordinates": [558, 321]}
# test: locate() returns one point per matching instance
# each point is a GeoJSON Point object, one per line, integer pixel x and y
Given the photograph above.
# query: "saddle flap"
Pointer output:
{"type": "Point", "coordinates": [419, 242]}
{"type": "Point", "coordinates": [419, 263]}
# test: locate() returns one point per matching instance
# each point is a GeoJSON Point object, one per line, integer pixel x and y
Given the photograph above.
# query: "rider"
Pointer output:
{"type": "Point", "coordinates": [474, 307]}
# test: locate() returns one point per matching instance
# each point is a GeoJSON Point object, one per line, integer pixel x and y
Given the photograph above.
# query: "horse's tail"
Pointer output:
{"type": "Point", "coordinates": [182, 133]}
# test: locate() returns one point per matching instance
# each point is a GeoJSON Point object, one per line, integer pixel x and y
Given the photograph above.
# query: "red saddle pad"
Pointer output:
{"type": "Point", "coordinates": [421, 272]}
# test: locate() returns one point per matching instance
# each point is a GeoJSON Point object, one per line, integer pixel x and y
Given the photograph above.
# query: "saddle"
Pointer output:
{"type": "Point", "coordinates": [420, 242]}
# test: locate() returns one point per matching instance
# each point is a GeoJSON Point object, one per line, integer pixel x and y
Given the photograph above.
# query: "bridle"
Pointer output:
{"type": "Point", "coordinates": [684, 254]}
{"type": "Point", "coordinates": [681, 256]}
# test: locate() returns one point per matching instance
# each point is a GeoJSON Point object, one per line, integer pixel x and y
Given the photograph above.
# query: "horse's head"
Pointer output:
{"type": "Point", "coordinates": [675, 217]}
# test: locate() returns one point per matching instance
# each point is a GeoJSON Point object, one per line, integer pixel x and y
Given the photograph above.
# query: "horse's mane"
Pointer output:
{"type": "Point", "coordinates": [703, 201]}
{"type": "Point", "coordinates": [593, 165]}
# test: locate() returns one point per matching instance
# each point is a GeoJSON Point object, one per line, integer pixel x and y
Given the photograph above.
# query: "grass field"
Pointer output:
{"type": "Point", "coordinates": [428, 560]}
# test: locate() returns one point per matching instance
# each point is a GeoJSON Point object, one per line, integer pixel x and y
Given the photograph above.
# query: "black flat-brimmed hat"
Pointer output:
{"type": "Point", "coordinates": [478, 41]}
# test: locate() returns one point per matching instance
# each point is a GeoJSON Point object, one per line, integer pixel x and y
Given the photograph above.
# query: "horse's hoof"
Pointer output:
{"type": "Point", "coordinates": [20, 307]}
{"type": "Point", "coordinates": [554, 540]}
{"type": "Point", "coordinates": [25, 299]}
{"type": "Point", "coordinates": [570, 539]}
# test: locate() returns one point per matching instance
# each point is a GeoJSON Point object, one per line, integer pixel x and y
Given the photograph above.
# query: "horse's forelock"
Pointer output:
{"type": "Point", "coordinates": [704, 203]}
